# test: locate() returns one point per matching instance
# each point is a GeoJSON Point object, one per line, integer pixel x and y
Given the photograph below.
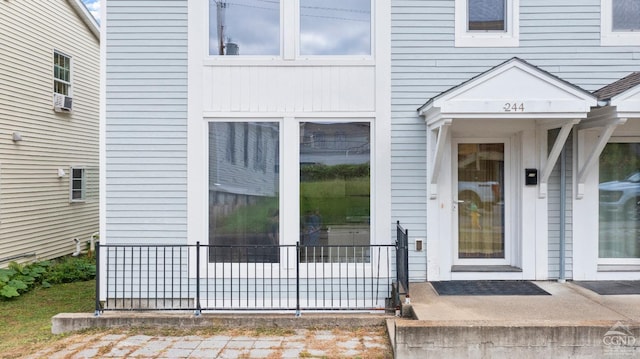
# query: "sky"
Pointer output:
{"type": "Point", "coordinates": [94, 7]}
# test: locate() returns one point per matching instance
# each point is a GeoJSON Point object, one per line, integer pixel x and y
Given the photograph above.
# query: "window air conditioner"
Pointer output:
{"type": "Point", "coordinates": [62, 103]}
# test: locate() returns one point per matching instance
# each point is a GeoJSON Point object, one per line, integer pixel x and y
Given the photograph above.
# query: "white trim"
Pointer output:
{"type": "Point", "coordinates": [508, 38]}
{"type": "Point", "coordinates": [608, 37]}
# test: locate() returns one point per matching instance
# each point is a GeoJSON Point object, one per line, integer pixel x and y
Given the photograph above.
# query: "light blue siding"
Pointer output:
{"type": "Point", "coordinates": [561, 37]}
{"type": "Point", "coordinates": [146, 129]}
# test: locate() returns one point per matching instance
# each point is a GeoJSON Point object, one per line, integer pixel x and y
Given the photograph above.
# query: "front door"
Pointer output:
{"type": "Point", "coordinates": [479, 203]}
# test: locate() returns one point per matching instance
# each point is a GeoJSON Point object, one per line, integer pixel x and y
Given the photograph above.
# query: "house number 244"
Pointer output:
{"type": "Point", "coordinates": [513, 107]}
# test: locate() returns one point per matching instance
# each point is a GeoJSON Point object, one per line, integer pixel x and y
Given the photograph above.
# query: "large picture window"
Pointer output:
{"type": "Point", "coordinates": [335, 189]}
{"type": "Point", "coordinates": [244, 200]}
{"type": "Point", "coordinates": [244, 27]}
{"type": "Point", "coordinates": [619, 187]}
{"type": "Point", "coordinates": [335, 27]}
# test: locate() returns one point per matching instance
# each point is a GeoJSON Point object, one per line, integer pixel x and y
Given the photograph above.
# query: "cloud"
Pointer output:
{"type": "Point", "coordinates": [94, 8]}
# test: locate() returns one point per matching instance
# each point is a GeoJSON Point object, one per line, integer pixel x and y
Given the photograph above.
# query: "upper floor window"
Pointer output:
{"type": "Point", "coordinates": [322, 27]}
{"type": "Point", "coordinates": [620, 22]}
{"type": "Point", "coordinates": [61, 73]}
{"type": "Point", "coordinates": [487, 23]}
{"type": "Point", "coordinates": [335, 27]}
{"type": "Point", "coordinates": [244, 27]}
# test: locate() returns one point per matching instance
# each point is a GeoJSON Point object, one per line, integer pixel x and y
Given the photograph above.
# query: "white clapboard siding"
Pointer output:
{"type": "Point", "coordinates": [562, 37]}
{"type": "Point", "coordinates": [37, 219]}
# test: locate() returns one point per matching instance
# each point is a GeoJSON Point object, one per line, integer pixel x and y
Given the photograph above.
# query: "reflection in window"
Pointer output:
{"type": "Point", "coordinates": [620, 201]}
{"type": "Point", "coordinates": [481, 200]}
{"type": "Point", "coordinates": [335, 191]}
{"type": "Point", "coordinates": [626, 15]}
{"type": "Point", "coordinates": [244, 201]}
{"type": "Point", "coordinates": [332, 27]}
{"type": "Point", "coordinates": [487, 15]}
{"type": "Point", "coordinates": [244, 27]}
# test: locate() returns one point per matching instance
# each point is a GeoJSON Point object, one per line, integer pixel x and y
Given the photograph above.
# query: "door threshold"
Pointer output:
{"type": "Point", "coordinates": [481, 268]}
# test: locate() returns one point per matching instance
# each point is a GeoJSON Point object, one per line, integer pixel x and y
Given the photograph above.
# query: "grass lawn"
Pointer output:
{"type": "Point", "coordinates": [25, 321]}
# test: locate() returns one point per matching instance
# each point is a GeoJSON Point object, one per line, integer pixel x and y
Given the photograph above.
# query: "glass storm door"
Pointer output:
{"type": "Point", "coordinates": [480, 190]}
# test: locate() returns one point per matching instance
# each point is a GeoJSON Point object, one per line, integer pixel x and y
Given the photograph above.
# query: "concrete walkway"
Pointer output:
{"type": "Point", "coordinates": [572, 322]}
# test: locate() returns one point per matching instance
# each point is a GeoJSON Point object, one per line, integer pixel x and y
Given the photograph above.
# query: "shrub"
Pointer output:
{"type": "Point", "coordinates": [71, 269]}
{"type": "Point", "coordinates": [21, 278]}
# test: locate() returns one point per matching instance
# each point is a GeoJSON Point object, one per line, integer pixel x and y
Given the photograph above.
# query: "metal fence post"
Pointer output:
{"type": "Point", "coordinates": [97, 311]}
{"type": "Point", "coordinates": [298, 253]}
{"type": "Point", "coordinates": [198, 308]}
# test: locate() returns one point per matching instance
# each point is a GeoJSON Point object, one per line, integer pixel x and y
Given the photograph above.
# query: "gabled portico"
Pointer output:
{"type": "Point", "coordinates": [488, 170]}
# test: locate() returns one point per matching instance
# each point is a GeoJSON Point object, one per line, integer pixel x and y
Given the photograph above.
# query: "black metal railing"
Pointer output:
{"type": "Point", "coordinates": [402, 260]}
{"type": "Point", "coordinates": [244, 277]}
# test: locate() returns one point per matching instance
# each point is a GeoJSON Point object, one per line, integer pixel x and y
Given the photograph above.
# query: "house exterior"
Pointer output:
{"type": "Point", "coordinates": [491, 129]}
{"type": "Point", "coordinates": [246, 123]}
{"type": "Point", "coordinates": [49, 121]}
{"type": "Point", "coordinates": [509, 163]}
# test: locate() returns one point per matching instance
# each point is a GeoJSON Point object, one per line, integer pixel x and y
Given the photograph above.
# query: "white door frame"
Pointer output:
{"type": "Point", "coordinates": [509, 199]}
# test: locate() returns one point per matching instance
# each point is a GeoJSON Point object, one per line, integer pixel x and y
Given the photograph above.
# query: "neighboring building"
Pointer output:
{"type": "Point", "coordinates": [498, 169]}
{"type": "Point", "coordinates": [49, 127]}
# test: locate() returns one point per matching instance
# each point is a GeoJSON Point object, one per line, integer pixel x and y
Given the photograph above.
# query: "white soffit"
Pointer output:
{"type": "Point", "coordinates": [514, 89]}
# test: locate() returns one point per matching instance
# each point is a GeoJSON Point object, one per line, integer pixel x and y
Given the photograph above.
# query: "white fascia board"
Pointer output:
{"type": "Point", "coordinates": [86, 17]}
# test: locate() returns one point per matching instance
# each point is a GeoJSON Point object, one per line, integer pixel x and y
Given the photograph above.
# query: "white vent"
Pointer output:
{"type": "Point", "coordinates": [62, 103]}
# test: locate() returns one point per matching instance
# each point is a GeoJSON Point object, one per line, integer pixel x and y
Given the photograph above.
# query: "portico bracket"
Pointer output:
{"type": "Point", "coordinates": [554, 154]}
{"type": "Point", "coordinates": [603, 138]}
{"type": "Point", "coordinates": [442, 129]}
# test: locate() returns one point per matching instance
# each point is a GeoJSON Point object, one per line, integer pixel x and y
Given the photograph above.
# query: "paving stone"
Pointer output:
{"type": "Point", "coordinates": [293, 345]}
{"type": "Point", "coordinates": [87, 353]}
{"type": "Point", "coordinates": [232, 354]}
{"type": "Point", "coordinates": [177, 353]}
{"type": "Point", "coordinates": [118, 352]}
{"type": "Point", "coordinates": [182, 344]}
{"type": "Point", "coordinates": [267, 344]}
{"type": "Point", "coordinates": [261, 353]}
{"type": "Point", "coordinates": [291, 353]}
{"type": "Point", "coordinates": [350, 344]}
{"type": "Point", "coordinates": [151, 348]}
{"type": "Point", "coordinates": [205, 353]}
{"type": "Point", "coordinates": [350, 353]}
{"type": "Point", "coordinates": [240, 344]}
{"type": "Point", "coordinates": [212, 344]}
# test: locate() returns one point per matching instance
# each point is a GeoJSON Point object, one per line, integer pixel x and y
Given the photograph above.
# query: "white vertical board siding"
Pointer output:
{"type": "Point", "coordinates": [146, 121]}
{"type": "Point", "coordinates": [289, 88]}
{"type": "Point", "coordinates": [36, 216]}
{"type": "Point", "coordinates": [561, 37]}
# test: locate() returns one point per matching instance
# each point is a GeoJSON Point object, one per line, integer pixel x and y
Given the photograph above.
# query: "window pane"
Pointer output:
{"type": "Point", "coordinates": [619, 201]}
{"type": "Point", "coordinates": [487, 15]}
{"type": "Point", "coordinates": [244, 201]}
{"type": "Point", "coordinates": [335, 188]}
{"type": "Point", "coordinates": [244, 27]}
{"type": "Point", "coordinates": [481, 224]}
{"type": "Point", "coordinates": [626, 15]}
{"type": "Point", "coordinates": [335, 27]}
